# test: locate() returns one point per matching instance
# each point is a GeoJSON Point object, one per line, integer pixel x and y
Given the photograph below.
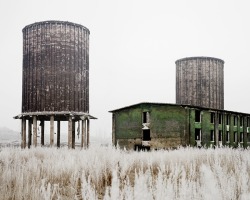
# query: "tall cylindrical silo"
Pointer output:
{"type": "Point", "coordinates": [55, 67]}
{"type": "Point", "coordinates": [200, 82]}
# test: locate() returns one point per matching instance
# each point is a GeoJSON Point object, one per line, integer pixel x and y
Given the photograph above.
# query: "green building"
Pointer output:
{"type": "Point", "coordinates": [163, 126]}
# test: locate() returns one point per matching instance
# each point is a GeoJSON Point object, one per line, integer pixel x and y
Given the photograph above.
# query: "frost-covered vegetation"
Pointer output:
{"type": "Point", "coordinates": [109, 173]}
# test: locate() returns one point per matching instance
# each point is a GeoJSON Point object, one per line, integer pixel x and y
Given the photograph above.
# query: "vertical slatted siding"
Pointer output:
{"type": "Point", "coordinates": [200, 82]}
{"type": "Point", "coordinates": [55, 67]}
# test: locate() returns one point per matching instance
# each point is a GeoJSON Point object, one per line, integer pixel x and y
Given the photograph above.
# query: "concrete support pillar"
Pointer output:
{"type": "Point", "coordinates": [58, 134]}
{"type": "Point", "coordinates": [51, 130]}
{"type": "Point", "coordinates": [23, 133]}
{"type": "Point", "coordinates": [78, 128]}
{"type": "Point", "coordinates": [34, 131]}
{"type": "Point", "coordinates": [245, 132]}
{"type": "Point", "coordinates": [70, 133]}
{"type": "Point", "coordinates": [73, 134]}
{"type": "Point", "coordinates": [29, 133]}
{"type": "Point", "coordinates": [216, 129]}
{"type": "Point", "coordinates": [42, 133]}
{"type": "Point", "coordinates": [224, 127]}
{"type": "Point", "coordinates": [113, 129]}
{"type": "Point", "coordinates": [88, 124]}
{"type": "Point", "coordinates": [83, 138]}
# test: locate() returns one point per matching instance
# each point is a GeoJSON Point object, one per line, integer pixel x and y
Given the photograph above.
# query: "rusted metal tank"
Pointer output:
{"type": "Point", "coordinates": [55, 67]}
{"type": "Point", "coordinates": [200, 82]}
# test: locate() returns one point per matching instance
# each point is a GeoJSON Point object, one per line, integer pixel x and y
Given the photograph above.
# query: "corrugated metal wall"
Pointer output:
{"type": "Point", "coordinates": [200, 82]}
{"type": "Point", "coordinates": [55, 67]}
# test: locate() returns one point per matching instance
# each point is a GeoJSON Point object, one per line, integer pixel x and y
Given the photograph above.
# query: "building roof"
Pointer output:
{"type": "Point", "coordinates": [171, 104]}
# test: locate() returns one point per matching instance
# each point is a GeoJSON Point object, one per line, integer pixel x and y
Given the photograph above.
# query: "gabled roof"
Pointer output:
{"type": "Point", "coordinates": [171, 104]}
{"type": "Point", "coordinates": [138, 104]}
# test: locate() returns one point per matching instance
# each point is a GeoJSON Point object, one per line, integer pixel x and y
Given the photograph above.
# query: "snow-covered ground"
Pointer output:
{"type": "Point", "coordinates": [108, 173]}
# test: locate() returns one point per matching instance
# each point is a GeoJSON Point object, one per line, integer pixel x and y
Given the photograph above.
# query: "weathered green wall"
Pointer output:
{"type": "Point", "coordinates": [174, 125]}
{"type": "Point", "coordinates": [207, 126]}
{"type": "Point", "coordinates": [169, 124]}
{"type": "Point", "coordinates": [128, 123]}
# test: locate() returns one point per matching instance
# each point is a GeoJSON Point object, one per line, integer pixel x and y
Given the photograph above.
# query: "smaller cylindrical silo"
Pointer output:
{"type": "Point", "coordinates": [200, 82]}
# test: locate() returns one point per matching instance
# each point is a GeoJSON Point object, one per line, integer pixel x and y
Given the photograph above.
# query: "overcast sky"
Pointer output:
{"type": "Point", "coordinates": [133, 48]}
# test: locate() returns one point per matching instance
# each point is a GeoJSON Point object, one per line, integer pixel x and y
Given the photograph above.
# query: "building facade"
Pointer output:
{"type": "Point", "coordinates": [163, 126]}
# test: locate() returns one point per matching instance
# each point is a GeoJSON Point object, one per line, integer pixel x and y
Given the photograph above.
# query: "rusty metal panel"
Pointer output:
{"type": "Point", "coordinates": [200, 82]}
{"type": "Point", "coordinates": [55, 67]}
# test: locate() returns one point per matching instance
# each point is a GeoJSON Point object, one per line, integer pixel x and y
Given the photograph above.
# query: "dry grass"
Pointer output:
{"type": "Point", "coordinates": [109, 173]}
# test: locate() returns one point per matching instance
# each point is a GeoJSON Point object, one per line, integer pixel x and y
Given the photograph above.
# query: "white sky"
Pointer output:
{"type": "Point", "coordinates": [133, 48]}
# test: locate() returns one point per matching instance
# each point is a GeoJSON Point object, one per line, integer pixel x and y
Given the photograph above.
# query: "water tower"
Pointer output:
{"type": "Point", "coordinates": [55, 81]}
{"type": "Point", "coordinates": [200, 82]}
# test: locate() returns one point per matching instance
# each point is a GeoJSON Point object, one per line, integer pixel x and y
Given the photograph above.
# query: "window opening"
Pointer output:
{"type": "Point", "coordinates": [235, 120]}
{"type": "Point", "coordinates": [248, 137]}
{"type": "Point", "coordinates": [220, 135]}
{"type": "Point", "coordinates": [220, 118]}
{"type": "Point", "coordinates": [197, 134]}
{"type": "Point", "coordinates": [145, 117]}
{"type": "Point", "coordinates": [241, 121]}
{"type": "Point", "coordinates": [227, 136]}
{"type": "Point", "coordinates": [227, 119]}
{"type": "Point", "coordinates": [212, 118]}
{"type": "Point", "coordinates": [146, 135]}
{"type": "Point", "coordinates": [235, 136]}
{"type": "Point", "coordinates": [197, 116]}
{"type": "Point", "coordinates": [212, 135]}
{"type": "Point", "coordinates": [241, 136]}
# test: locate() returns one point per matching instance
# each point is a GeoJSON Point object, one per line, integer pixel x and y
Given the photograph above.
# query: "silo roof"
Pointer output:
{"type": "Point", "coordinates": [56, 22]}
{"type": "Point", "coordinates": [199, 57]}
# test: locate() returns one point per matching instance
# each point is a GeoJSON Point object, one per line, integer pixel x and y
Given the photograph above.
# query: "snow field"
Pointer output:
{"type": "Point", "coordinates": [109, 173]}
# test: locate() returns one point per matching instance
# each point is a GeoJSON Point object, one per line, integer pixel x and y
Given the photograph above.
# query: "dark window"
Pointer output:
{"type": "Point", "coordinates": [212, 135]}
{"type": "Point", "coordinates": [227, 119]}
{"type": "Point", "coordinates": [212, 118]}
{"type": "Point", "coordinates": [241, 136]}
{"type": "Point", "coordinates": [235, 120]}
{"type": "Point", "coordinates": [197, 134]}
{"type": "Point", "coordinates": [227, 136]}
{"type": "Point", "coordinates": [220, 118]}
{"type": "Point", "coordinates": [241, 121]}
{"type": "Point", "coordinates": [248, 137]}
{"type": "Point", "coordinates": [197, 116]}
{"type": "Point", "coordinates": [235, 136]}
{"type": "Point", "coordinates": [220, 135]}
{"type": "Point", "coordinates": [146, 135]}
{"type": "Point", "coordinates": [145, 117]}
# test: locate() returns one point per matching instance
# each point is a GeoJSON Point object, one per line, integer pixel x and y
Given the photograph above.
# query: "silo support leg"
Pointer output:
{"type": "Point", "coordinates": [29, 133]}
{"type": "Point", "coordinates": [88, 124]}
{"type": "Point", "coordinates": [34, 131]}
{"type": "Point", "coordinates": [73, 134]}
{"type": "Point", "coordinates": [58, 134]}
{"type": "Point", "coordinates": [23, 133]}
{"type": "Point", "coordinates": [70, 133]}
{"type": "Point", "coordinates": [83, 139]}
{"type": "Point", "coordinates": [51, 130]}
{"type": "Point", "coordinates": [42, 133]}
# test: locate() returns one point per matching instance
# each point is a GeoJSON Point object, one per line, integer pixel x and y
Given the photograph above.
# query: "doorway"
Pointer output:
{"type": "Point", "coordinates": [146, 135]}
